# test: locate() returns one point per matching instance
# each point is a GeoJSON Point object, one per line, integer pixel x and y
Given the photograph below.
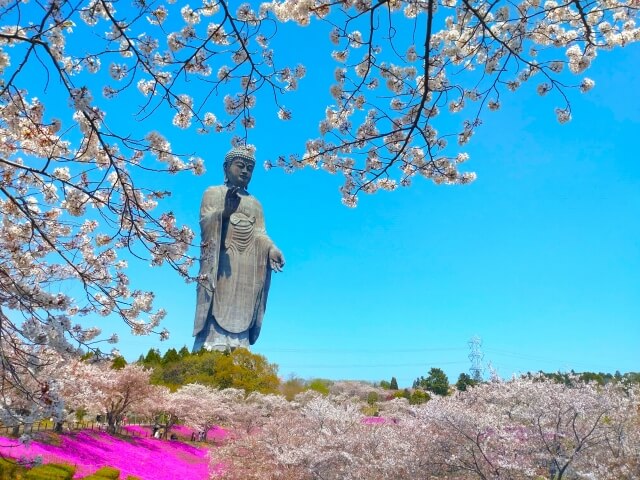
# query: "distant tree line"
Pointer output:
{"type": "Point", "coordinates": [599, 378]}
{"type": "Point", "coordinates": [436, 382]}
{"type": "Point", "coordinates": [251, 372]}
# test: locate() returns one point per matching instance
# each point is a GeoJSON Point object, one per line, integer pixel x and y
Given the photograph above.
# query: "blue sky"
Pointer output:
{"type": "Point", "coordinates": [540, 257]}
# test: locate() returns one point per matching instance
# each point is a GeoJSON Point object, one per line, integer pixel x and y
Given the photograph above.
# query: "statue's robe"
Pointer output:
{"type": "Point", "coordinates": [235, 258]}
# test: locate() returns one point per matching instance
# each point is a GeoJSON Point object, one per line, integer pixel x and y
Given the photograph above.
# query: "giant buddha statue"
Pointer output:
{"type": "Point", "coordinates": [236, 261]}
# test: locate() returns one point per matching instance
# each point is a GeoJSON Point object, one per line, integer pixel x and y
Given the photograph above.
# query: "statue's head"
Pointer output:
{"type": "Point", "coordinates": [238, 167]}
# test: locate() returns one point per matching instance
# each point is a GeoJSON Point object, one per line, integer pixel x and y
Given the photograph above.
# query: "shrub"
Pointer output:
{"type": "Point", "coordinates": [51, 471]}
{"type": "Point", "coordinates": [108, 472]}
{"type": "Point", "coordinates": [10, 470]}
{"type": "Point", "coordinates": [371, 411]}
{"type": "Point", "coordinates": [319, 385]}
{"type": "Point", "coordinates": [402, 394]}
{"type": "Point", "coordinates": [372, 398]}
{"type": "Point", "coordinates": [418, 397]}
{"type": "Point", "coordinates": [104, 473]}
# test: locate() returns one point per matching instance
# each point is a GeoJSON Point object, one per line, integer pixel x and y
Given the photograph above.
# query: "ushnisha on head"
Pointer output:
{"type": "Point", "coordinates": [238, 168]}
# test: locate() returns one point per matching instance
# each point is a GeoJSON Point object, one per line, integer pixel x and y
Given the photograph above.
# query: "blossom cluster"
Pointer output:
{"type": "Point", "coordinates": [403, 101]}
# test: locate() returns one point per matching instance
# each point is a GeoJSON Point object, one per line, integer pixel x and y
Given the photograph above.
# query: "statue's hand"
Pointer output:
{"type": "Point", "coordinates": [276, 259]}
{"type": "Point", "coordinates": [231, 202]}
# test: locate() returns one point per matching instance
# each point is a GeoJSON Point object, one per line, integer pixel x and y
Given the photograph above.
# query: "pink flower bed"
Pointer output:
{"type": "Point", "coordinates": [146, 458]}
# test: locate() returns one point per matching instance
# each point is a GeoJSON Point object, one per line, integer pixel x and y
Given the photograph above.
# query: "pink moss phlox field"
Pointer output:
{"type": "Point", "coordinates": [217, 433]}
{"type": "Point", "coordinates": [147, 458]}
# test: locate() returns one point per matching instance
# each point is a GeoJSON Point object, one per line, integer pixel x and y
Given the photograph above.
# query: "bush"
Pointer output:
{"type": "Point", "coordinates": [10, 470]}
{"type": "Point", "coordinates": [418, 397]}
{"type": "Point", "coordinates": [108, 472]}
{"type": "Point", "coordinates": [104, 473]}
{"type": "Point", "coordinates": [51, 471]}
{"type": "Point", "coordinates": [402, 394]}
{"type": "Point", "coordinates": [371, 411]}
{"type": "Point", "coordinates": [319, 385]}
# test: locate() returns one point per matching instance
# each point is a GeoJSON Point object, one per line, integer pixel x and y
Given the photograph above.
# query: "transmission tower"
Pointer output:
{"type": "Point", "coordinates": [476, 357]}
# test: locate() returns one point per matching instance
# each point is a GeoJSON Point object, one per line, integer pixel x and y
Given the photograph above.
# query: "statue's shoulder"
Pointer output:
{"type": "Point", "coordinates": [215, 191]}
{"type": "Point", "coordinates": [217, 188]}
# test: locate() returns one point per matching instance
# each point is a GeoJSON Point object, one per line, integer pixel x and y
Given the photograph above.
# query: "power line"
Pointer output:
{"type": "Point", "coordinates": [523, 356]}
{"type": "Point", "coordinates": [387, 365]}
{"type": "Point", "coordinates": [359, 350]}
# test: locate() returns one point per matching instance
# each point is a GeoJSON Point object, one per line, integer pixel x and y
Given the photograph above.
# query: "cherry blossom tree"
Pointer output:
{"type": "Point", "coordinates": [528, 427]}
{"type": "Point", "coordinates": [360, 390]}
{"type": "Point", "coordinates": [71, 208]}
{"type": "Point", "coordinates": [201, 407]}
{"type": "Point", "coordinates": [30, 389]}
{"type": "Point", "coordinates": [161, 408]}
{"type": "Point", "coordinates": [97, 387]}
{"type": "Point", "coordinates": [250, 414]}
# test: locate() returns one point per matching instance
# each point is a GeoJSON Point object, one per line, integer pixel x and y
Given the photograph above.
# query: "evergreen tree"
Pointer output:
{"type": "Point", "coordinates": [152, 357]}
{"type": "Point", "coordinates": [465, 381]}
{"type": "Point", "coordinates": [384, 384]}
{"type": "Point", "coordinates": [171, 356]}
{"type": "Point", "coordinates": [436, 382]}
{"type": "Point", "coordinates": [118, 363]}
{"type": "Point", "coordinates": [394, 384]}
{"type": "Point", "coordinates": [419, 397]}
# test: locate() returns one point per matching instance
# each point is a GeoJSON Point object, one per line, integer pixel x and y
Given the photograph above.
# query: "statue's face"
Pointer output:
{"type": "Point", "coordinates": [239, 172]}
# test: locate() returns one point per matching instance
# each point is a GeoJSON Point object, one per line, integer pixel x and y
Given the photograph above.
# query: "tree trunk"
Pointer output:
{"type": "Point", "coordinates": [111, 423]}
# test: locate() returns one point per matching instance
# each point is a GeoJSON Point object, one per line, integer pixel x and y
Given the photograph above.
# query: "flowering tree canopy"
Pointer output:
{"type": "Point", "coordinates": [201, 407]}
{"type": "Point", "coordinates": [413, 78]}
{"type": "Point", "coordinates": [520, 429]}
{"type": "Point", "coordinates": [31, 387]}
{"type": "Point", "coordinates": [73, 203]}
{"type": "Point", "coordinates": [99, 388]}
